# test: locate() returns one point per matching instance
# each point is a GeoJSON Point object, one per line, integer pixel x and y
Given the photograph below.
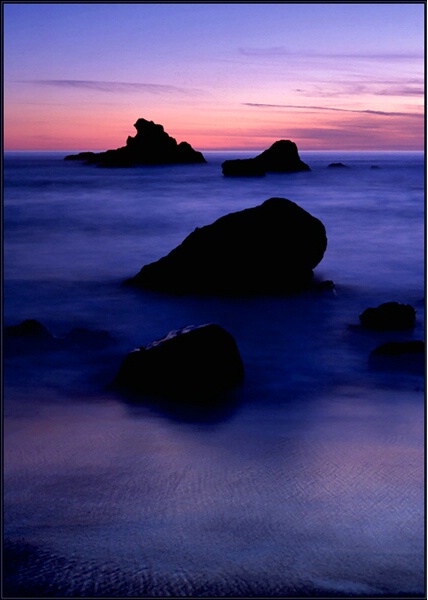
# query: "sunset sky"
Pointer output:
{"type": "Point", "coordinates": [220, 76]}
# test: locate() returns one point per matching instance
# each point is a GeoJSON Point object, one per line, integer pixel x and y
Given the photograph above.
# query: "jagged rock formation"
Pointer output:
{"type": "Point", "coordinates": [151, 146]}
{"type": "Point", "coordinates": [281, 157]}
{"type": "Point", "coordinates": [271, 248]}
{"type": "Point", "coordinates": [190, 364]}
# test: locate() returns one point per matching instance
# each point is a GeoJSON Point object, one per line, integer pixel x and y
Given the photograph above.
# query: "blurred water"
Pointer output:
{"type": "Point", "coordinates": [312, 483]}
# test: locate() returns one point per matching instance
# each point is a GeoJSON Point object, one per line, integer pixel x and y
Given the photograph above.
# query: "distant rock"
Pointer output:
{"type": "Point", "coordinates": [30, 328]}
{"type": "Point", "coordinates": [31, 336]}
{"type": "Point", "coordinates": [325, 286]}
{"type": "Point", "coordinates": [28, 337]}
{"type": "Point", "coordinates": [375, 167]}
{"type": "Point", "coordinates": [338, 165]}
{"type": "Point", "coordinates": [389, 316]}
{"type": "Point", "coordinates": [271, 248]}
{"type": "Point", "coordinates": [151, 146]}
{"type": "Point", "coordinates": [243, 167]}
{"type": "Point", "coordinates": [281, 157]}
{"type": "Point", "coordinates": [409, 356]}
{"type": "Point", "coordinates": [193, 364]}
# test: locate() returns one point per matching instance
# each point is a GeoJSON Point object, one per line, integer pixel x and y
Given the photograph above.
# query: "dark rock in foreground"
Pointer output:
{"type": "Point", "coordinates": [389, 316]}
{"type": "Point", "coordinates": [281, 157]}
{"type": "Point", "coordinates": [192, 364]}
{"type": "Point", "coordinates": [409, 356]}
{"type": "Point", "coordinates": [271, 248]}
{"type": "Point", "coordinates": [151, 146]}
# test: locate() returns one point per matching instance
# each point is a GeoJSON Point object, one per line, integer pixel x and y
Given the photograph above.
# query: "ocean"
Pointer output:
{"type": "Point", "coordinates": [309, 482]}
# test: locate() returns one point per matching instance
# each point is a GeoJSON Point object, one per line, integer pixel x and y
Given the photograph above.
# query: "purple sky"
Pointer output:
{"type": "Point", "coordinates": [220, 76]}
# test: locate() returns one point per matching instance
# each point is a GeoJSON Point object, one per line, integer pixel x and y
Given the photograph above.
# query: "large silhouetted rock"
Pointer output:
{"type": "Point", "coordinates": [271, 248]}
{"type": "Point", "coordinates": [390, 315]}
{"type": "Point", "coordinates": [193, 363]}
{"type": "Point", "coordinates": [281, 157]}
{"type": "Point", "coordinates": [151, 146]}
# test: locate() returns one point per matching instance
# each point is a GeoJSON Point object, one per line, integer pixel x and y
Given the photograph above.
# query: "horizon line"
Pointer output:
{"type": "Point", "coordinates": [250, 150]}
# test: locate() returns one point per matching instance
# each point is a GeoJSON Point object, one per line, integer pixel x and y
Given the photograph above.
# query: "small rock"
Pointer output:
{"type": "Point", "coordinates": [389, 316]}
{"type": "Point", "coordinates": [29, 328]}
{"type": "Point", "coordinates": [407, 356]}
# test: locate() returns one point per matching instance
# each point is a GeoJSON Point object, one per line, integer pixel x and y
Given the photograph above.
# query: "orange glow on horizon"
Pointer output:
{"type": "Point", "coordinates": [247, 129]}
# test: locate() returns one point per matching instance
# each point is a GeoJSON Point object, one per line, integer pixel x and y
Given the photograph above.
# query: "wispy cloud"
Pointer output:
{"type": "Point", "coordinates": [332, 109]}
{"type": "Point", "coordinates": [284, 51]}
{"type": "Point", "coordinates": [115, 86]}
{"type": "Point", "coordinates": [410, 88]}
{"type": "Point", "coordinates": [273, 51]}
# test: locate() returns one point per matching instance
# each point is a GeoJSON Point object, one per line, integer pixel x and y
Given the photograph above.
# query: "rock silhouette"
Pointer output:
{"type": "Point", "coordinates": [151, 146]}
{"type": "Point", "coordinates": [408, 356]}
{"type": "Point", "coordinates": [243, 167]}
{"type": "Point", "coordinates": [338, 165]}
{"type": "Point", "coordinates": [192, 364]}
{"type": "Point", "coordinates": [30, 328]}
{"type": "Point", "coordinates": [389, 316]}
{"type": "Point", "coordinates": [271, 248]}
{"type": "Point", "coordinates": [31, 336]}
{"type": "Point", "coordinates": [281, 157]}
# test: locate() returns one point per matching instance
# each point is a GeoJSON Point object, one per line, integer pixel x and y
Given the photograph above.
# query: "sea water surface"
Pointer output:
{"type": "Point", "coordinates": [309, 482]}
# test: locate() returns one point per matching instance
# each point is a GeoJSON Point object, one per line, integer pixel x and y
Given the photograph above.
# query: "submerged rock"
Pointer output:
{"type": "Point", "coordinates": [389, 316]}
{"type": "Point", "coordinates": [151, 146]}
{"type": "Point", "coordinates": [31, 336]}
{"type": "Point", "coordinates": [87, 338]}
{"type": "Point", "coordinates": [28, 337]}
{"type": "Point", "coordinates": [338, 165]}
{"type": "Point", "coordinates": [281, 157]}
{"type": "Point", "coordinates": [409, 356]}
{"type": "Point", "coordinates": [192, 364]}
{"type": "Point", "coordinates": [30, 328]}
{"type": "Point", "coordinates": [271, 248]}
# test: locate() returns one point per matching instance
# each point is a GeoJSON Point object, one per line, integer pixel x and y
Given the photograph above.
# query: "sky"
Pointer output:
{"type": "Point", "coordinates": [221, 76]}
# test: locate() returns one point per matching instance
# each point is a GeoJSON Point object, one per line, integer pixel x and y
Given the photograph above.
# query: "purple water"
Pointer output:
{"type": "Point", "coordinates": [312, 483]}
